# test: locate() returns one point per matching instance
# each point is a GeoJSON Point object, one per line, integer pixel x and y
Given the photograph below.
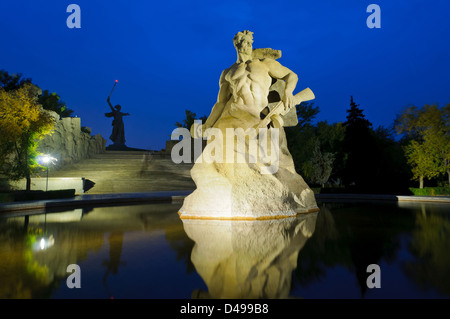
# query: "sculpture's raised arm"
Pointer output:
{"type": "Point", "coordinates": [109, 103]}
{"type": "Point", "coordinates": [276, 70]}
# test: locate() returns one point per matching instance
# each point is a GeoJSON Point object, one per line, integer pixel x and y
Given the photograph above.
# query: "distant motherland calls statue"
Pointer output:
{"type": "Point", "coordinates": [256, 87]}
{"type": "Point", "coordinates": [118, 131]}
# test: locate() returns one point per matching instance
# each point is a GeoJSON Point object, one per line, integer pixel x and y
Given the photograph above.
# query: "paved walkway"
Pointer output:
{"type": "Point", "coordinates": [380, 197]}
{"type": "Point", "coordinates": [123, 171]}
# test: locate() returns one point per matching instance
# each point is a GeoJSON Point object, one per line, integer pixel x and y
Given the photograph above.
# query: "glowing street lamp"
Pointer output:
{"type": "Point", "coordinates": [45, 242]}
{"type": "Point", "coordinates": [47, 159]}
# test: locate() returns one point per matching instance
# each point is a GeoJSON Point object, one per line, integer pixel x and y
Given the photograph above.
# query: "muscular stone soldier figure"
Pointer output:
{"type": "Point", "coordinates": [244, 87]}
{"type": "Point", "coordinates": [243, 191]}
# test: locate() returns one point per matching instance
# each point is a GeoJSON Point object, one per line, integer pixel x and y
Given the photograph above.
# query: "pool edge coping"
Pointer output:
{"type": "Point", "coordinates": [96, 199]}
{"type": "Point", "coordinates": [176, 196]}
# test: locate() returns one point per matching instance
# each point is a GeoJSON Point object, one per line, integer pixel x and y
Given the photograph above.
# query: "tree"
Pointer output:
{"type": "Point", "coordinates": [11, 82]}
{"type": "Point", "coordinates": [356, 118]}
{"type": "Point", "coordinates": [322, 165]}
{"type": "Point", "coordinates": [187, 123]}
{"type": "Point", "coordinates": [52, 102]}
{"type": "Point", "coordinates": [49, 101]}
{"type": "Point", "coordinates": [391, 162]}
{"type": "Point", "coordinates": [444, 141]}
{"type": "Point", "coordinates": [23, 122]}
{"type": "Point", "coordinates": [306, 112]}
{"type": "Point", "coordinates": [302, 142]}
{"type": "Point", "coordinates": [423, 160]}
{"type": "Point", "coordinates": [300, 138]}
{"type": "Point", "coordinates": [189, 120]}
{"type": "Point", "coordinates": [438, 141]}
{"type": "Point", "coordinates": [331, 138]}
{"type": "Point", "coordinates": [360, 148]}
{"type": "Point", "coordinates": [426, 131]}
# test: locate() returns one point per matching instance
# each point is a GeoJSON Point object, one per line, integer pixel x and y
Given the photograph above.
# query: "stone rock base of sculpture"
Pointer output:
{"type": "Point", "coordinates": [249, 195]}
{"type": "Point", "coordinates": [243, 191]}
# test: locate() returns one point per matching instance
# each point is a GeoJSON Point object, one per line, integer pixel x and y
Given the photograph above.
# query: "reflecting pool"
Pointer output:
{"type": "Point", "coordinates": [147, 251]}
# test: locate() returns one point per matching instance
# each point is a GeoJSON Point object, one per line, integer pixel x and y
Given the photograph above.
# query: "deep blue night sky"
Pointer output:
{"type": "Point", "coordinates": [168, 55]}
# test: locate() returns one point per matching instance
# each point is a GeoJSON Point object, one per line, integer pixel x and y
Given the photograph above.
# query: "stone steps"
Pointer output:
{"type": "Point", "coordinates": [122, 172]}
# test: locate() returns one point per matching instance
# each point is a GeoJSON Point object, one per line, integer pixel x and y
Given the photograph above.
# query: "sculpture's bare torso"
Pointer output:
{"type": "Point", "coordinates": [248, 84]}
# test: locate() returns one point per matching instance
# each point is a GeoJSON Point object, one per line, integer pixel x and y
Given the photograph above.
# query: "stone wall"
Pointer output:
{"type": "Point", "coordinates": [69, 144]}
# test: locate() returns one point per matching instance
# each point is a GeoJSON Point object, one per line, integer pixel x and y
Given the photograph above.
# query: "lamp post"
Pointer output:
{"type": "Point", "coordinates": [47, 159]}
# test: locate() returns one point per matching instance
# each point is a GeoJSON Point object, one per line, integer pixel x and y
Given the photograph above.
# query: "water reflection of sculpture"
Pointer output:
{"type": "Point", "coordinates": [248, 259]}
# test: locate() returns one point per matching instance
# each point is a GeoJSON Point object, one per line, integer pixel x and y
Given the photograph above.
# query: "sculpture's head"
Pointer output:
{"type": "Point", "coordinates": [118, 107]}
{"type": "Point", "coordinates": [243, 42]}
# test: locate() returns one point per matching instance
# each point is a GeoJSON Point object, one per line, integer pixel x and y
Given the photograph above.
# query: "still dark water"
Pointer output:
{"type": "Point", "coordinates": [146, 251]}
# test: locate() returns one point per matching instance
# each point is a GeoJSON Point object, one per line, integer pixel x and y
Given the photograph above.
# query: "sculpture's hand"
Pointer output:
{"type": "Point", "coordinates": [288, 101]}
{"type": "Point", "coordinates": [277, 121]}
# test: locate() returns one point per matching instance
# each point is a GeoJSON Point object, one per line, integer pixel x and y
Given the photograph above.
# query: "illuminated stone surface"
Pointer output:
{"type": "Point", "coordinates": [68, 143]}
{"type": "Point", "coordinates": [127, 172]}
{"type": "Point", "coordinates": [249, 89]}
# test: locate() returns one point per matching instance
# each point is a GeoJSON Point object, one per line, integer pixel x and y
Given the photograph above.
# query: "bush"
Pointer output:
{"type": "Point", "coordinates": [6, 198]}
{"type": "Point", "coordinates": [430, 191]}
{"type": "Point", "coordinates": [19, 196]}
{"type": "Point", "coordinates": [86, 129]}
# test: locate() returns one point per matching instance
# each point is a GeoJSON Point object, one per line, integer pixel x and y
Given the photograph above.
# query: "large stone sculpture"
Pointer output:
{"type": "Point", "coordinates": [248, 259]}
{"type": "Point", "coordinates": [250, 174]}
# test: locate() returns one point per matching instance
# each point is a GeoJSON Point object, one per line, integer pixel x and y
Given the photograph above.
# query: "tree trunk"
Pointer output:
{"type": "Point", "coordinates": [28, 183]}
{"type": "Point", "coordinates": [28, 175]}
{"type": "Point", "coordinates": [448, 172]}
{"type": "Point", "coordinates": [421, 182]}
